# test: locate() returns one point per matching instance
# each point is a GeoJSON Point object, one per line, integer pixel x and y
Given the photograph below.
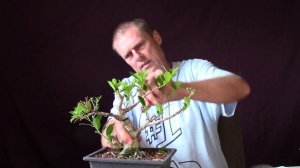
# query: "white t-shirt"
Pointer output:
{"type": "Point", "coordinates": [193, 132]}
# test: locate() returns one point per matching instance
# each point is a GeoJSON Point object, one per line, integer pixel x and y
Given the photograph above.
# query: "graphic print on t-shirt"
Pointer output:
{"type": "Point", "coordinates": [190, 164]}
{"type": "Point", "coordinates": [162, 134]}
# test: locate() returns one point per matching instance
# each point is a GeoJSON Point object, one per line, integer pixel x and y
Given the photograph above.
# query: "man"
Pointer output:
{"type": "Point", "coordinates": [194, 132]}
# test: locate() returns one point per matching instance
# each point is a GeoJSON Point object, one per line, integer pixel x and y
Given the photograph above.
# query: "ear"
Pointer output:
{"type": "Point", "coordinates": [157, 37]}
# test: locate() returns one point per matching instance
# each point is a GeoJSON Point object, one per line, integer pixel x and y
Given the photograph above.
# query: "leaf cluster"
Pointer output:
{"type": "Point", "coordinates": [87, 111]}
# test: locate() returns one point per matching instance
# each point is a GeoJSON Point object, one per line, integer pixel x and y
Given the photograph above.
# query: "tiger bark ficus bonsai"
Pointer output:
{"type": "Point", "coordinates": [88, 112]}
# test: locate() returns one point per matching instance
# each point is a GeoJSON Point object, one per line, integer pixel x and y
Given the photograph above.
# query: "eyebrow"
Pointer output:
{"type": "Point", "coordinates": [139, 44]}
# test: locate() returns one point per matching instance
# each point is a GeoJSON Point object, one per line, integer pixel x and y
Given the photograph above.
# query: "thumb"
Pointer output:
{"type": "Point", "coordinates": [122, 135]}
{"type": "Point", "coordinates": [124, 138]}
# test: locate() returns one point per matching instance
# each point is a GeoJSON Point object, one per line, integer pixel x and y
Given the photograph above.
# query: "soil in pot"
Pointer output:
{"type": "Point", "coordinates": [141, 154]}
{"type": "Point", "coordinates": [145, 158]}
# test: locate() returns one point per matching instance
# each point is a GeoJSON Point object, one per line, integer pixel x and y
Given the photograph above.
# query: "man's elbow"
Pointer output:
{"type": "Point", "coordinates": [244, 89]}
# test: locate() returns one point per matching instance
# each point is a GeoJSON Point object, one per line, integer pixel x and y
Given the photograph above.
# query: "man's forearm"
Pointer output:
{"type": "Point", "coordinates": [217, 90]}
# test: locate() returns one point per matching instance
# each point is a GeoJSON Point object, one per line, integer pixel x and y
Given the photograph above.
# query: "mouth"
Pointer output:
{"type": "Point", "coordinates": [145, 65]}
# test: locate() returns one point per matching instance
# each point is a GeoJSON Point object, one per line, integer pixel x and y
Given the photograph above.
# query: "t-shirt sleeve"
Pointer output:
{"type": "Point", "coordinates": [203, 70]}
{"type": "Point", "coordinates": [228, 109]}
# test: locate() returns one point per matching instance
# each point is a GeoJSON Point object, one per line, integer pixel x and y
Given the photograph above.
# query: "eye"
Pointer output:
{"type": "Point", "coordinates": [140, 46]}
{"type": "Point", "coordinates": [129, 55]}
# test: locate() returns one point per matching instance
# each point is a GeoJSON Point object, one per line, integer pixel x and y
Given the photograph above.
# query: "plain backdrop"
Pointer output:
{"type": "Point", "coordinates": [54, 53]}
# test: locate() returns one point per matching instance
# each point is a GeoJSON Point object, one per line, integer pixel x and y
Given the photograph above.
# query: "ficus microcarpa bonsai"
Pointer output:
{"type": "Point", "coordinates": [88, 112]}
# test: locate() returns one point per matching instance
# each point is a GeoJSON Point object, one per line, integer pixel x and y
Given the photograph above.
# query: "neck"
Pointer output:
{"type": "Point", "coordinates": [167, 65]}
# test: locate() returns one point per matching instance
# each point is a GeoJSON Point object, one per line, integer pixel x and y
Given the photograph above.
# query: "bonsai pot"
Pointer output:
{"type": "Point", "coordinates": [98, 162]}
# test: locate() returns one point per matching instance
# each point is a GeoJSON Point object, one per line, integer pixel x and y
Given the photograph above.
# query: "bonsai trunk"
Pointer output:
{"type": "Point", "coordinates": [135, 145]}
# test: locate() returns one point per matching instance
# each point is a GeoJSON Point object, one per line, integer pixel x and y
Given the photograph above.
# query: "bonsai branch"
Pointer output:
{"type": "Point", "coordinates": [104, 114]}
{"type": "Point", "coordinates": [152, 121]}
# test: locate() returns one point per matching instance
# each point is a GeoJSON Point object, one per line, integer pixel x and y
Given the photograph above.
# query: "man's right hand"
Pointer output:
{"type": "Point", "coordinates": [119, 133]}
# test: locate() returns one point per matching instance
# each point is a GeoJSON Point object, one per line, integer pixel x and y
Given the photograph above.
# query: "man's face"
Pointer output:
{"type": "Point", "coordinates": [140, 50]}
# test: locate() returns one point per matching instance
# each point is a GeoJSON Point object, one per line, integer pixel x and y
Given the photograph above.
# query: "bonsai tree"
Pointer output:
{"type": "Point", "coordinates": [88, 111]}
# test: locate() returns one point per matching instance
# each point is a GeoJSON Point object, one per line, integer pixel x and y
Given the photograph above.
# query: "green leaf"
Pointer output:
{"type": "Point", "coordinates": [96, 101]}
{"type": "Point", "coordinates": [167, 76]}
{"type": "Point", "coordinates": [73, 118]}
{"type": "Point", "coordinates": [109, 138]}
{"type": "Point", "coordinates": [128, 90]}
{"type": "Point", "coordinates": [187, 100]}
{"type": "Point", "coordinates": [89, 104]}
{"type": "Point", "coordinates": [174, 71]}
{"type": "Point", "coordinates": [109, 130]}
{"type": "Point", "coordinates": [184, 107]}
{"type": "Point", "coordinates": [96, 122]}
{"type": "Point", "coordinates": [81, 108]}
{"type": "Point", "coordinates": [142, 101]}
{"type": "Point", "coordinates": [159, 81]}
{"type": "Point", "coordinates": [114, 81]}
{"type": "Point", "coordinates": [140, 78]}
{"type": "Point", "coordinates": [143, 75]}
{"type": "Point", "coordinates": [123, 86]}
{"type": "Point", "coordinates": [186, 103]}
{"type": "Point", "coordinates": [144, 87]}
{"type": "Point", "coordinates": [159, 109]}
{"type": "Point", "coordinates": [112, 85]}
{"type": "Point", "coordinates": [163, 149]}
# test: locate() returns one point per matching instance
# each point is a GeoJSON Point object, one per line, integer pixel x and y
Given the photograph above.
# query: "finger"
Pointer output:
{"type": "Point", "coordinates": [105, 143]}
{"type": "Point", "coordinates": [151, 99]}
{"type": "Point", "coordinates": [148, 102]}
{"type": "Point", "coordinates": [157, 72]}
{"type": "Point", "coordinates": [121, 133]}
{"type": "Point", "coordinates": [152, 93]}
{"type": "Point", "coordinates": [159, 95]}
{"type": "Point", "coordinates": [104, 140]}
{"type": "Point", "coordinates": [124, 137]}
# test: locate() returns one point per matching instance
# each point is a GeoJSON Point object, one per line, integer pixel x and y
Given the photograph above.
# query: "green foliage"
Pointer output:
{"type": "Point", "coordinates": [186, 100]}
{"type": "Point", "coordinates": [109, 130]}
{"type": "Point", "coordinates": [114, 84]}
{"type": "Point", "coordinates": [97, 122]}
{"type": "Point", "coordinates": [127, 90]}
{"type": "Point", "coordinates": [166, 77]}
{"type": "Point", "coordinates": [140, 80]}
{"type": "Point", "coordinates": [159, 109]}
{"type": "Point", "coordinates": [86, 111]}
{"type": "Point", "coordinates": [186, 103]}
{"type": "Point", "coordinates": [161, 80]}
{"type": "Point", "coordinates": [163, 149]}
{"type": "Point", "coordinates": [80, 110]}
{"type": "Point", "coordinates": [123, 88]}
{"type": "Point", "coordinates": [142, 101]}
